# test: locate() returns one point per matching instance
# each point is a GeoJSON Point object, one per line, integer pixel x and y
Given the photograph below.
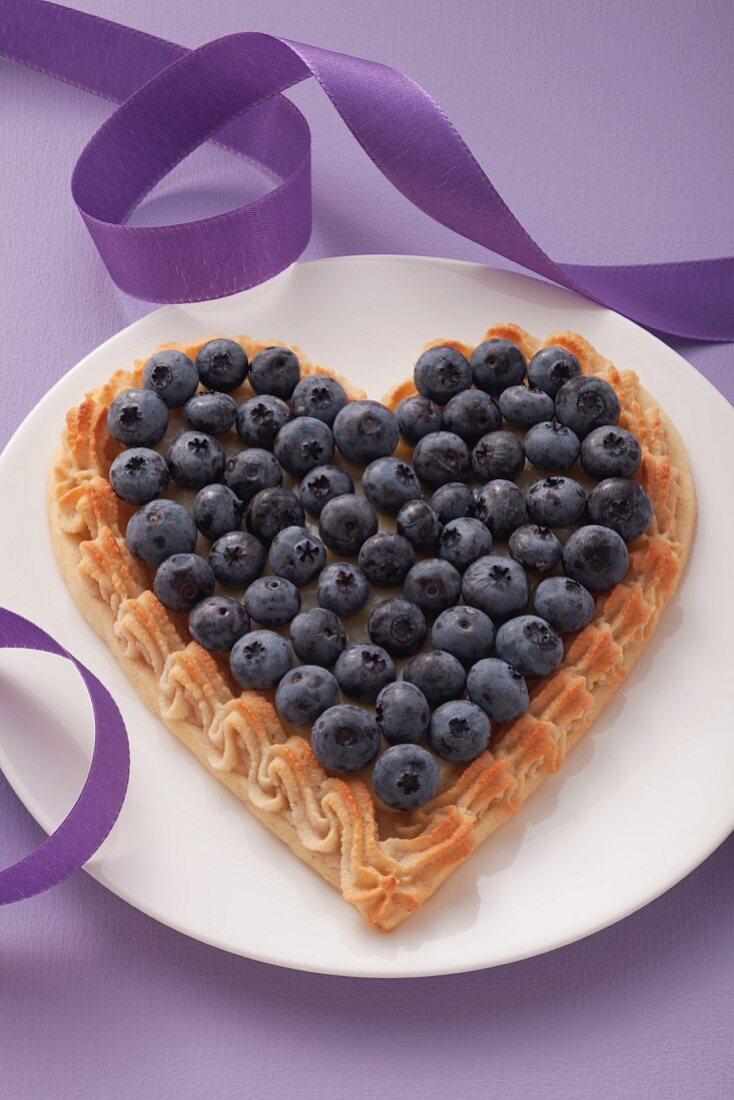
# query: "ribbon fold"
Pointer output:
{"type": "Point", "coordinates": [230, 90]}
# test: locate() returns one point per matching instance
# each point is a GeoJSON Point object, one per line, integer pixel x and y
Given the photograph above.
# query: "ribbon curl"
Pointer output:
{"type": "Point", "coordinates": [89, 821]}
{"type": "Point", "coordinates": [230, 90]}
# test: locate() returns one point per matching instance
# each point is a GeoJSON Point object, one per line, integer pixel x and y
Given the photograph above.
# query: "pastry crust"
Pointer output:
{"type": "Point", "coordinates": [332, 824]}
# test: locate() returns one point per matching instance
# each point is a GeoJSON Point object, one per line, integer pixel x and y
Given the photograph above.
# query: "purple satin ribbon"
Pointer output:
{"type": "Point", "coordinates": [80, 834]}
{"type": "Point", "coordinates": [174, 99]}
{"type": "Point", "coordinates": [229, 91]}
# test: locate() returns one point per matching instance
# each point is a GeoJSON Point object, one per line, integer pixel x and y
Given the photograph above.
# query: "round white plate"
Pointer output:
{"type": "Point", "coordinates": [644, 798]}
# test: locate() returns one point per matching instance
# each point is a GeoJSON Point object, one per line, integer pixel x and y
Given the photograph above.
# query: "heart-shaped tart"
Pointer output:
{"type": "Point", "coordinates": [380, 625]}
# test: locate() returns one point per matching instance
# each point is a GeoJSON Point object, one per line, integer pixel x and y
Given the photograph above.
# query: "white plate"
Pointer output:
{"type": "Point", "coordinates": [645, 797]}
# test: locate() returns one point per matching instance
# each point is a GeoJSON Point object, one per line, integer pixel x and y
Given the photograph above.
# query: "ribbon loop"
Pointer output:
{"type": "Point", "coordinates": [229, 90]}
{"type": "Point", "coordinates": [91, 818]}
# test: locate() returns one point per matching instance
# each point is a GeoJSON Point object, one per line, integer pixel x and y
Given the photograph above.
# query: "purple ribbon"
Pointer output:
{"type": "Point", "coordinates": [80, 834]}
{"type": "Point", "coordinates": [230, 91]}
{"type": "Point", "coordinates": [174, 99]}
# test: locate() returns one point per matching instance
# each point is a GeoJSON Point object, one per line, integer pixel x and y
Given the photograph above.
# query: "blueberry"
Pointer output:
{"type": "Point", "coordinates": [304, 693]}
{"type": "Point", "coordinates": [622, 505]}
{"type": "Point", "coordinates": [248, 472]}
{"type": "Point", "coordinates": [319, 396]}
{"type": "Point", "coordinates": [524, 406]}
{"type": "Point", "coordinates": [276, 371]}
{"type": "Point", "coordinates": [271, 510]}
{"type": "Point", "coordinates": [595, 557]}
{"type": "Point", "coordinates": [216, 511]}
{"type": "Point", "coordinates": [222, 365]}
{"type": "Point", "coordinates": [464, 632]}
{"type": "Point", "coordinates": [610, 452]}
{"type": "Point", "coordinates": [260, 659]}
{"type": "Point", "coordinates": [342, 588]}
{"type": "Point", "coordinates": [195, 460]}
{"type": "Point", "coordinates": [138, 418]}
{"type": "Point", "coordinates": [453, 500]}
{"type": "Point", "coordinates": [213, 413]}
{"type": "Point", "coordinates": [346, 522]}
{"type": "Point", "coordinates": [530, 645]}
{"type": "Point", "coordinates": [398, 626]}
{"type": "Point", "coordinates": [536, 548]}
{"type": "Point", "coordinates": [551, 367]}
{"type": "Point", "coordinates": [433, 585]}
{"type": "Point", "coordinates": [139, 475]}
{"type": "Point", "coordinates": [318, 636]}
{"type": "Point", "coordinates": [471, 415]}
{"type": "Point", "coordinates": [464, 540]}
{"type": "Point", "coordinates": [498, 455]}
{"type": "Point", "coordinates": [586, 403]}
{"type": "Point", "coordinates": [405, 777]}
{"type": "Point", "coordinates": [418, 523]}
{"type": "Point", "coordinates": [498, 689]}
{"type": "Point", "coordinates": [237, 559]}
{"type": "Point", "coordinates": [459, 731]}
{"type": "Point", "coordinates": [551, 446]}
{"type": "Point", "coordinates": [555, 501]}
{"type": "Point", "coordinates": [171, 375]}
{"type": "Point", "coordinates": [498, 586]}
{"type": "Point", "coordinates": [362, 671]}
{"type": "Point", "coordinates": [272, 601]}
{"type": "Point", "coordinates": [441, 372]}
{"type": "Point", "coordinates": [501, 505]}
{"type": "Point", "coordinates": [497, 364]}
{"type": "Point", "coordinates": [438, 675]}
{"type": "Point", "coordinates": [159, 529]}
{"type": "Point", "coordinates": [260, 419]}
{"type": "Point", "coordinates": [302, 444]}
{"type": "Point", "coordinates": [418, 416]}
{"type": "Point", "coordinates": [217, 622]}
{"type": "Point", "coordinates": [441, 457]}
{"type": "Point", "coordinates": [564, 603]}
{"type": "Point", "coordinates": [385, 559]}
{"type": "Point", "coordinates": [389, 483]}
{"type": "Point", "coordinates": [402, 713]}
{"type": "Point", "coordinates": [345, 738]}
{"type": "Point", "coordinates": [296, 555]}
{"type": "Point", "coordinates": [182, 580]}
{"type": "Point", "coordinates": [321, 485]}
{"type": "Point", "coordinates": [365, 430]}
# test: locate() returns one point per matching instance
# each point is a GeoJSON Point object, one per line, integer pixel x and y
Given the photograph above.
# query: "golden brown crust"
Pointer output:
{"type": "Point", "coordinates": [331, 823]}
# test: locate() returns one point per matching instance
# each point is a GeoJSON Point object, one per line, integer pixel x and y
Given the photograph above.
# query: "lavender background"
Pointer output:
{"type": "Point", "coordinates": [607, 128]}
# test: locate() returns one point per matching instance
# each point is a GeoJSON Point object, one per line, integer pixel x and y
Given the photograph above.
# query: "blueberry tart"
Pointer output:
{"type": "Point", "coordinates": [380, 624]}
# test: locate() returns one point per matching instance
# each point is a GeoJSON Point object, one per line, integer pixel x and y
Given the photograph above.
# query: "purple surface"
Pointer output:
{"type": "Point", "coordinates": [96, 999]}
